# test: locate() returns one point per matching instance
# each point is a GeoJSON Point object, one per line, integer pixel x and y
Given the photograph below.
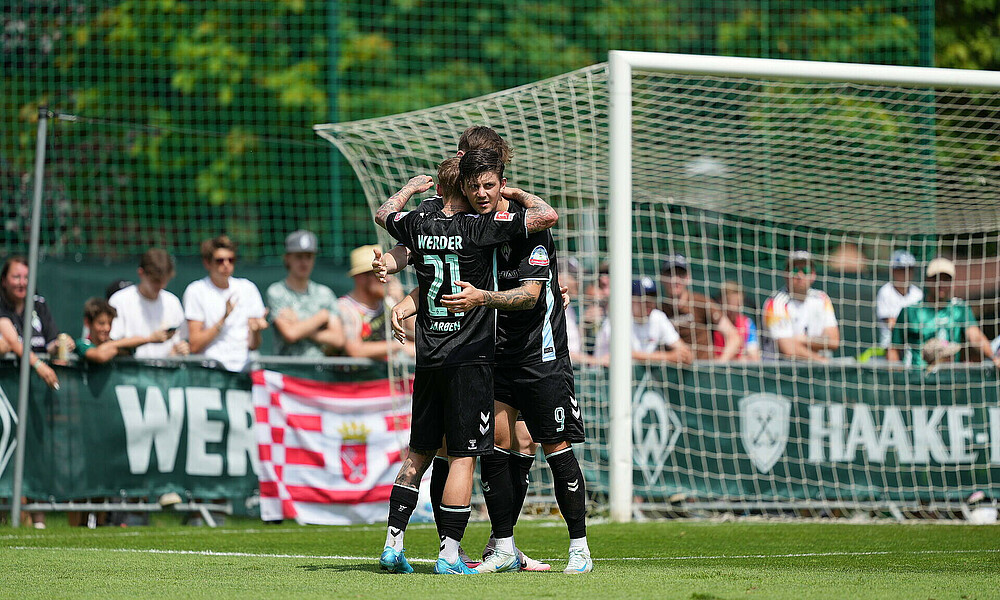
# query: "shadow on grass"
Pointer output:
{"type": "Point", "coordinates": [354, 568]}
{"type": "Point", "coordinates": [362, 568]}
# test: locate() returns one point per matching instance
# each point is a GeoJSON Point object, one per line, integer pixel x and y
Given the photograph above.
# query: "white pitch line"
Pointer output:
{"type": "Point", "coordinates": [209, 553]}
{"type": "Point", "coordinates": [425, 560]}
{"type": "Point", "coordinates": [116, 532]}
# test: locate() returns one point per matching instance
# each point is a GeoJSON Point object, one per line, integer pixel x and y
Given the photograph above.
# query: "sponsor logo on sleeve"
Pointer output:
{"type": "Point", "coordinates": [539, 257]}
{"type": "Point", "coordinates": [400, 215]}
{"type": "Point", "coordinates": [503, 215]}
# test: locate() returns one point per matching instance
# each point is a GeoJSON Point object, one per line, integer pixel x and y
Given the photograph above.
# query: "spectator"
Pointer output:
{"type": "Point", "coordinates": [592, 306]}
{"type": "Point", "coordinates": [363, 310]}
{"type": "Point", "coordinates": [731, 300]}
{"type": "Point", "coordinates": [147, 310]}
{"type": "Point", "coordinates": [935, 329]}
{"type": "Point", "coordinates": [653, 335]}
{"type": "Point", "coordinates": [13, 296]}
{"type": "Point", "coordinates": [44, 335]}
{"type": "Point", "coordinates": [800, 321]}
{"type": "Point", "coordinates": [225, 314]}
{"type": "Point", "coordinates": [695, 316]}
{"type": "Point", "coordinates": [569, 269]}
{"type": "Point", "coordinates": [304, 312]}
{"type": "Point", "coordinates": [896, 295]}
{"type": "Point", "coordinates": [97, 346]}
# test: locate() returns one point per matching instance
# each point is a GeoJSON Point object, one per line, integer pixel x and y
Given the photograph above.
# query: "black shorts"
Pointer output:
{"type": "Point", "coordinates": [456, 404]}
{"type": "Point", "coordinates": [546, 397]}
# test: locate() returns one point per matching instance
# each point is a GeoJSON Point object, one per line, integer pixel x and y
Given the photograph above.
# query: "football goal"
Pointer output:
{"type": "Point", "coordinates": [783, 215]}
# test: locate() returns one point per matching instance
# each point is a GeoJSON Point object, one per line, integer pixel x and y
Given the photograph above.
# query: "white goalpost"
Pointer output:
{"type": "Point", "coordinates": [621, 65]}
{"type": "Point", "coordinates": [739, 165]}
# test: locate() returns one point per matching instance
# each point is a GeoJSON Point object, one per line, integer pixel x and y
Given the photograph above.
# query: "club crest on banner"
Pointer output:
{"type": "Point", "coordinates": [655, 430]}
{"type": "Point", "coordinates": [354, 451]}
{"type": "Point", "coordinates": [8, 424]}
{"type": "Point", "coordinates": [764, 421]}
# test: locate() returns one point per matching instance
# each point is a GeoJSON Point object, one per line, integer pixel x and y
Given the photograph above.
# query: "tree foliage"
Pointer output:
{"type": "Point", "coordinates": [220, 95]}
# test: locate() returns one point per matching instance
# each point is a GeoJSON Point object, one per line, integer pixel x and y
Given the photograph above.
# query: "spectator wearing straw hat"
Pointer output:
{"type": "Point", "coordinates": [304, 313]}
{"type": "Point", "coordinates": [363, 310]}
{"type": "Point", "coordinates": [936, 329]}
{"type": "Point", "coordinates": [896, 295]}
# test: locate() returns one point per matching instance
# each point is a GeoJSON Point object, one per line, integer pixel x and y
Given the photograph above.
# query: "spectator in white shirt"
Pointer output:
{"type": "Point", "coordinates": [800, 321]}
{"type": "Point", "coordinates": [225, 314]}
{"type": "Point", "coordinates": [896, 295]}
{"type": "Point", "coordinates": [147, 308]}
{"type": "Point", "coordinates": [654, 337]}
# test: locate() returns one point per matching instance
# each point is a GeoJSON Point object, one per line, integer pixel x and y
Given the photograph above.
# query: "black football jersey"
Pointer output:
{"type": "Point", "coordinates": [526, 336]}
{"type": "Point", "coordinates": [538, 334]}
{"type": "Point", "coordinates": [445, 249]}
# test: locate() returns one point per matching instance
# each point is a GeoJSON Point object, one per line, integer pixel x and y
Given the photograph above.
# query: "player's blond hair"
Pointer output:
{"type": "Point", "coordinates": [448, 176]}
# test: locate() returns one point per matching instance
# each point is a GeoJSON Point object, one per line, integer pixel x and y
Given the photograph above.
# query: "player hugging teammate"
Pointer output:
{"type": "Point", "coordinates": [478, 226]}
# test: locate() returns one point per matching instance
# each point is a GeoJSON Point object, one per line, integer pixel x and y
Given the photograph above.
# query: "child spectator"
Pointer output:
{"type": "Point", "coordinates": [98, 347]}
{"type": "Point", "coordinates": [731, 299]}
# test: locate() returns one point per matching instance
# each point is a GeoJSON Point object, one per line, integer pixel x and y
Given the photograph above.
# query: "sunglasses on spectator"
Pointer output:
{"type": "Point", "coordinates": [804, 269]}
{"type": "Point", "coordinates": [227, 259]}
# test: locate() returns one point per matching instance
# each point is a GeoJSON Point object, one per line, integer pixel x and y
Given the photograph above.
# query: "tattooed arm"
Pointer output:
{"type": "Point", "coordinates": [416, 185]}
{"type": "Point", "coordinates": [521, 298]}
{"type": "Point", "coordinates": [538, 215]}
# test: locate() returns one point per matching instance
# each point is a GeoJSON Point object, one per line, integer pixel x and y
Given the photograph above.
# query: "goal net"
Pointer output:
{"type": "Point", "coordinates": [746, 191]}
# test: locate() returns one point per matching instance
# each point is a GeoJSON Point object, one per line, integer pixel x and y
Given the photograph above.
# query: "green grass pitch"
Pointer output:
{"type": "Point", "coordinates": [672, 559]}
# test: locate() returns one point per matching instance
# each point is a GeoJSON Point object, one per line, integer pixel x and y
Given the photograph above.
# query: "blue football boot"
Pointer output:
{"type": "Point", "coordinates": [394, 561]}
{"type": "Point", "coordinates": [443, 567]}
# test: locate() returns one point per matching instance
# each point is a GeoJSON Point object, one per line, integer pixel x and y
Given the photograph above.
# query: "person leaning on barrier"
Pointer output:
{"type": "Point", "coordinates": [731, 300]}
{"type": "Point", "coordinates": [799, 320]}
{"type": "Point", "coordinates": [304, 313]}
{"type": "Point", "coordinates": [145, 309]}
{"type": "Point", "coordinates": [13, 297]}
{"type": "Point", "coordinates": [364, 313]}
{"type": "Point", "coordinates": [225, 314]}
{"type": "Point", "coordinates": [654, 337]}
{"type": "Point", "coordinates": [896, 295]}
{"type": "Point", "coordinates": [939, 327]}
{"type": "Point", "coordinates": [97, 346]}
{"type": "Point", "coordinates": [696, 316]}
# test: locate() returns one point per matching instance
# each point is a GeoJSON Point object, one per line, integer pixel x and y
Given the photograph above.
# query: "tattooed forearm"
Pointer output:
{"type": "Point", "coordinates": [416, 185]}
{"type": "Point", "coordinates": [521, 298]}
{"type": "Point", "coordinates": [393, 204]}
{"type": "Point", "coordinates": [538, 215]}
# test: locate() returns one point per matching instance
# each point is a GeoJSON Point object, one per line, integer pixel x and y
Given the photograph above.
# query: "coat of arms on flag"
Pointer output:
{"type": "Point", "coordinates": [354, 451]}
{"type": "Point", "coordinates": [329, 452]}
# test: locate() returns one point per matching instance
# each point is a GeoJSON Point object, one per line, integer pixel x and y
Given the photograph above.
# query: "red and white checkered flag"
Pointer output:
{"type": "Point", "coordinates": [329, 452]}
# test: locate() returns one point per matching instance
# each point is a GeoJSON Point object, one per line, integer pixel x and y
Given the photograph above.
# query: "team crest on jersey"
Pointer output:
{"type": "Point", "coordinates": [400, 215]}
{"type": "Point", "coordinates": [503, 215]}
{"type": "Point", "coordinates": [539, 257]}
{"type": "Point", "coordinates": [505, 251]}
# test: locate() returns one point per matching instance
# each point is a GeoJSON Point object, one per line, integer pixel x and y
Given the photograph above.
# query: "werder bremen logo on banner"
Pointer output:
{"type": "Point", "coordinates": [655, 429]}
{"type": "Point", "coordinates": [8, 427]}
{"type": "Point", "coordinates": [764, 420]}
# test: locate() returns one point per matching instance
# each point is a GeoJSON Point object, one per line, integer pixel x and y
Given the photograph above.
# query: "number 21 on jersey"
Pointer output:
{"type": "Point", "coordinates": [450, 262]}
